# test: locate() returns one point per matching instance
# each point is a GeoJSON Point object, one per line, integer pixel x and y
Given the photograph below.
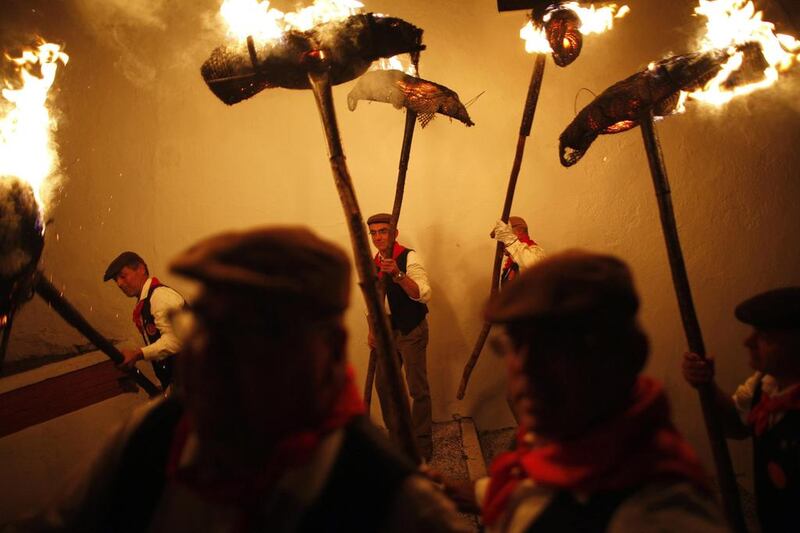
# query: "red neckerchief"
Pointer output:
{"type": "Point", "coordinates": [398, 249]}
{"type": "Point", "coordinates": [639, 445]}
{"type": "Point", "coordinates": [509, 260]}
{"type": "Point", "coordinates": [293, 451]}
{"type": "Point", "coordinates": [137, 311]}
{"type": "Point", "coordinates": [767, 406]}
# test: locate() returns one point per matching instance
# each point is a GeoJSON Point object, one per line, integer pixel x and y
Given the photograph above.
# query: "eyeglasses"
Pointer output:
{"type": "Point", "coordinates": [382, 231]}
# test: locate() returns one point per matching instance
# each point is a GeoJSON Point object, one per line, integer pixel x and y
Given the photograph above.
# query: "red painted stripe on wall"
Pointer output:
{"type": "Point", "coordinates": [53, 397]}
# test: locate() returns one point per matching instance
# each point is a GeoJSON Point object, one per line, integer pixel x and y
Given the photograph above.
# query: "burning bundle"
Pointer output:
{"type": "Point", "coordinates": [346, 47]}
{"type": "Point", "coordinates": [559, 27]}
{"type": "Point", "coordinates": [739, 53]}
{"type": "Point", "coordinates": [657, 89]}
{"type": "Point", "coordinates": [423, 97]}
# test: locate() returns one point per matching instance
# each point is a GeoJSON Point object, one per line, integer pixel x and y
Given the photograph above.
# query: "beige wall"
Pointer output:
{"type": "Point", "coordinates": [153, 162]}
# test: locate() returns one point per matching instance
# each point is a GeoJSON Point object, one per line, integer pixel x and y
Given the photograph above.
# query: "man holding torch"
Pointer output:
{"type": "Point", "coordinates": [155, 306]}
{"type": "Point", "coordinates": [521, 251]}
{"type": "Point", "coordinates": [767, 405]}
{"type": "Point", "coordinates": [407, 294]}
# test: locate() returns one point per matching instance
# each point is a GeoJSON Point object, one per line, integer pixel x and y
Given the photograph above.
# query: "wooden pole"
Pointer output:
{"type": "Point", "coordinates": [368, 280]}
{"type": "Point", "coordinates": [691, 326]}
{"type": "Point", "coordinates": [74, 318]}
{"type": "Point", "coordinates": [405, 155]}
{"type": "Point", "coordinates": [524, 131]}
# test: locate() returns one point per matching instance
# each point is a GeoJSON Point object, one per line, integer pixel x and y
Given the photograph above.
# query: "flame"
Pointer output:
{"type": "Point", "coordinates": [27, 148]}
{"type": "Point", "coordinates": [736, 22]}
{"type": "Point", "coordinates": [394, 63]}
{"type": "Point", "coordinates": [244, 18]}
{"type": "Point", "coordinates": [593, 20]}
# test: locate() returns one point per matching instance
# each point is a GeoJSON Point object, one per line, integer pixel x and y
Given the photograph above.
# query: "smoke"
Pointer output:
{"type": "Point", "coordinates": [127, 25]}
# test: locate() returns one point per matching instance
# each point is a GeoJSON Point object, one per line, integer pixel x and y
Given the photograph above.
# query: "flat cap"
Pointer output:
{"type": "Point", "coordinates": [570, 284]}
{"type": "Point", "coordinates": [122, 260]}
{"type": "Point", "coordinates": [774, 309]}
{"type": "Point", "coordinates": [380, 218]}
{"type": "Point", "coordinates": [281, 262]}
{"type": "Point", "coordinates": [517, 221]}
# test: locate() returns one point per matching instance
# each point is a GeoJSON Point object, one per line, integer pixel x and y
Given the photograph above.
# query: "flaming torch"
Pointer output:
{"type": "Point", "coordinates": [558, 28]}
{"type": "Point", "coordinates": [28, 163]}
{"type": "Point", "coordinates": [327, 43]}
{"type": "Point", "coordinates": [422, 100]}
{"type": "Point", "coordinates": [739, 54]}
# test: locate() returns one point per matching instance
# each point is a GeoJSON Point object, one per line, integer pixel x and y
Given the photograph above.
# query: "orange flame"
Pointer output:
{"type": "Point", "coordinates": [593, 20]}
{"type": "Point", "coordinates": [736, 22]}
{"type": "Point", "coordinates": [27, 149]}
{"type": "Point", "coordinates": [244, 18]}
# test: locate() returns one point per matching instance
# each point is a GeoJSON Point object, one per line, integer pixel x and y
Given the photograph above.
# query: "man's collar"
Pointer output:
{"type": "Point", "coordinates": [145, 289]}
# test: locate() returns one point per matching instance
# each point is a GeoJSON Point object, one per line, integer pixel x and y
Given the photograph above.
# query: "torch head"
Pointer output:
{"type": "Point", "coordinates": [564, 35]}
{"type": "Point", "coordinates": [21, 243]}
{"type": "Point", "coordinates": [344, 47]}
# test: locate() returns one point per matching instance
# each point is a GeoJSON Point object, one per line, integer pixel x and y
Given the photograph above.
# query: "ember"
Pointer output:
{"type": "Point", "coordinates": [424, 97]}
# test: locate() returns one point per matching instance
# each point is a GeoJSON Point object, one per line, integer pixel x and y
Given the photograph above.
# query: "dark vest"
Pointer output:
{"type": "Point", "coordinates": [776, 458]}
{"type": "Point", "coordinates": [150, 334]}
{"type": "Point", "coordinates": [565, 514]}
{"type": "Point", "coordinates": [358, 495]}
{"type": "Point", "coordinates": [406, 314]}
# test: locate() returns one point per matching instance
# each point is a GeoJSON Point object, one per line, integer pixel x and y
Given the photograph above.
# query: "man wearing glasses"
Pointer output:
{"type": "Point", "coordinates": [407, 294]}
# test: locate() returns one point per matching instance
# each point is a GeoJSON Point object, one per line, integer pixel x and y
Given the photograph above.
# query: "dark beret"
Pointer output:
{"type": "Point", "coordinates": [775, 309]}
{"type": "Point", "coordinates": [380, 218]}
{"type": "Point", "coordinates": [288, 263]}
{"type": "Point", "coordinates": [571, 284]}
{"type": "Point", "coordinates": [122, 260]}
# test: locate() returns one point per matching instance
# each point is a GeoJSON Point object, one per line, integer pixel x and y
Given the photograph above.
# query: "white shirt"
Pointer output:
{"type": "Point", "coordinates": [163, 303]}
{"type": "Point", "coordinates": [525, 255]}
{"type": "Point", "coordinates": [417, 273]}
{"type": "Point", "coordinates": [743, 397]}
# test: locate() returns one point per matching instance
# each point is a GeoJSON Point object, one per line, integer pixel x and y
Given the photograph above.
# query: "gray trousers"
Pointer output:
{"type": "Point", "coordinates": [412, 356]}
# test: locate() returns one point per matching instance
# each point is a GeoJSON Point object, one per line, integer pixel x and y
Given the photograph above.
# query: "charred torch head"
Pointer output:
{"type": "Point", "coordinates": [392, 36]}
{"type": "Point", "coordinates": [564, 35]}
{"type": "Point", "coordinates": [344, 47]}
{"type": "Point", "coordinates": [21, 243]}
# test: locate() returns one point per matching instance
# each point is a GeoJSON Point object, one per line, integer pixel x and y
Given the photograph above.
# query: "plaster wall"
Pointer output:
{"type": "Point", "coordinates": [152, 162]}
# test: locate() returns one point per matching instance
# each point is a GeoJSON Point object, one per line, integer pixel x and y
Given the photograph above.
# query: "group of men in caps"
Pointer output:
{"type": "Point", "coordinates": [266, 430]}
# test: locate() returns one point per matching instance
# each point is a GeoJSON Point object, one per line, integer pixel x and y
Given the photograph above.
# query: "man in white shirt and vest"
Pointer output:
{"type": "Point", "coordinates": [521, 252]}
{"type": "Point", "coordinates": [407, 294]}
{"type": "Point", "coordinates": [152, 315]}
